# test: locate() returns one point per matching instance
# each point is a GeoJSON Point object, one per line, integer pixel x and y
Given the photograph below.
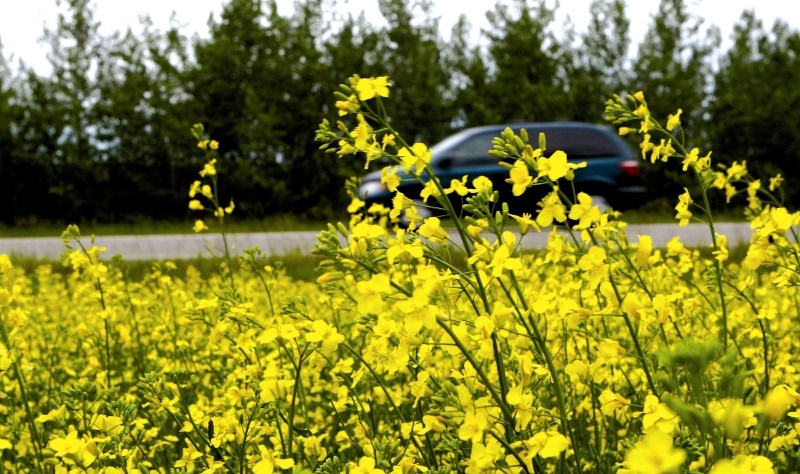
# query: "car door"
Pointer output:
{"type": "Point", "coordinates": [471, 158]}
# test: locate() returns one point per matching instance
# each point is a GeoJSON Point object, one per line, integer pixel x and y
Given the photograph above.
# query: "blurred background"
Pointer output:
{"type": "Point", "coordinates": [94, 121]}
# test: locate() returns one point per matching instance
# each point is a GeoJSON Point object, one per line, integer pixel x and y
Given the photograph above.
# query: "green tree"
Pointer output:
{"type": "Point", "coordinates": [258, 82]}
{"type": "Point", "coordinates": [143, 117]}
{"type": "Point", "coordinates": [756, 108]}
{"type": "Point", "coordinates": [469, 76]}
{"type": "Point", "coordinates": [9, 191]}
{"type": "Point", "coordinates": [598, 66]}
{"type": "Point", "coordinates": [57, 122]}
{"type": "Point", "coordinates": [313, 187]}
{"type": "Point", "coordinates": [673, 64]}
{"type": "Point", "coordinates": [239, 84]}
{"type": "Point", "coordinates": [526, 80]}
{"type": "Point", "coordinates": [411, 54]}
{"type": "Point", "coordinates": [673, 67]}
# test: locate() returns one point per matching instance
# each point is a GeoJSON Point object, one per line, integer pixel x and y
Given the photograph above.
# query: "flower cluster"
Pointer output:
{"type": "Point", "coordinates": [205, 189]}
{"type": "Point", "coordinates": [425, 347]}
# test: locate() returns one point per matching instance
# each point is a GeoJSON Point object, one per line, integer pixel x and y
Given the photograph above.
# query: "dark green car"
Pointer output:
{"type": "Point", "coordinates": [611, 175]}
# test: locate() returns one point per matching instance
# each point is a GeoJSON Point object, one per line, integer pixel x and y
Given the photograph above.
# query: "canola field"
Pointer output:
{"type": "Point", "coordinates": [415, 353]}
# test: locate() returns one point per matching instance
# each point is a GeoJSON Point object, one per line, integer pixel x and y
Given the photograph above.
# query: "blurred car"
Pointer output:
{"type": "Point", "coordinates": [611, 175]}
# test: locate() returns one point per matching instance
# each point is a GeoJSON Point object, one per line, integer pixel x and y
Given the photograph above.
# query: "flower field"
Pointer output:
{"type": "Point", "coordinates": [415, 352]}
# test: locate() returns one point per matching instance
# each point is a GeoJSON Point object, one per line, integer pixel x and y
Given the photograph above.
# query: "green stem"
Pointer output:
{"type": "Point", "coordinates": [386, 392]}
{"type": "Point", "coordinates": [551, 367]}
{"type": "Point", "coordinates": [478, 369]}
{"type": "Point", "coordinates": [632, 331]}
{"type": "Point", "coordinates": [36, 440]}
{"type": "Point", "coordinates": [501, 375]}
{"type": "Point", "coordinates": [717, 265]}
{"type": "Point", "coordinates": [293, 403]}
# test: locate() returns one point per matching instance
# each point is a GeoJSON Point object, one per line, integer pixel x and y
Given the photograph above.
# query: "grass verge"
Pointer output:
{"type": "Point", "coordinates": [295, 265]}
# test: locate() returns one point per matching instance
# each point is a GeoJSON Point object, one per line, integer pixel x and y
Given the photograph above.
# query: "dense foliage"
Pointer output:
{"type": "Point", "coordinates": [103, 136]}
{"type": "Point", "coordinates": [598, 354]}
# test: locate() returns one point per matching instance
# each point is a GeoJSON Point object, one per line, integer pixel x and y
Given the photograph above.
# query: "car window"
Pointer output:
{"type": "Point", "coordinates": [578, 142]}
{"type": "Point", "coordinates": [473, 151]}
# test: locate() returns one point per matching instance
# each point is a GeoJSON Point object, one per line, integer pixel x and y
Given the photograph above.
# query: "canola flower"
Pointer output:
{"type": "Point", "coordinates": [596, 354]}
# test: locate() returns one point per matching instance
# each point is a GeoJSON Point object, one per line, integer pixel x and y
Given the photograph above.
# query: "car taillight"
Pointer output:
{"type": "Point", "coordinates": [630, 167]}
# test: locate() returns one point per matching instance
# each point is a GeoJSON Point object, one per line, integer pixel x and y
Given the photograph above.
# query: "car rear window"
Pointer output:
{"type": "Point", "coordinates": [474, 151]}
{"type": "Point", "coordinates": [577, 142]}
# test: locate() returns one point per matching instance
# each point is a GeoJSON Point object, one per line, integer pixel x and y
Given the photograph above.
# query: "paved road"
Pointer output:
{"type": "Point", "coordinates": [280, 243]}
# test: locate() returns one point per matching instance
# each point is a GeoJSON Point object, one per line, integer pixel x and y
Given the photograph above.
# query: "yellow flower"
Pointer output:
{"type": "Point", "coordinates": [737, 170]}
{"type": "Point", "coordinates": [347, 106]}
{"type": "Point", "coordinates": [430, 189]}
{"type": "Point", "coordinates": [366, 465]}
{"type": "Point", "coordinates": [369, 87]}
{"type": "Point", "coordinates": [654, 454]}
{"type": "Point", "coordinates": [196, 205]}
{"type": "Point", "coordinates": [107, 424]}
{"type": "Point", "coordinates": [419, 388]}
{"type": "Point", "coordinates": [400, 247]}
{"type": "Point", "coordinates": [199, 226]}
{"type": "Point", "coordinates": [269, 462]}
{"type": "Point", "coordinates": [482, 457]}
{"type": "Point", "coordinates": [743, 464]}
{"type": "Point", "coordinates": [519, 178]}
{"type": "Point", "coordinates": [775, 182]}
{"type": "Point", "coordinates": [779, 400]}
{"type": "Point", "coordinates": [432, 230]}
{"type": "Point", "coordinates": [288, 332]}
{"type": "Point", "coordinates": [682, 208]}
{"type": "Point", "coordinates": [674, 120]}
{"type": "Point", "coordinates": [525, 223]}
{"type": "Point", "coordinates": [209, 169]}
{"type": "Point", "coordinates": [74, 449]}
{"type": "Point", "coordinates": [473, 426]}
{"type": "Point", "coordinates": [557, 167]}
{"type": "Point", "coordinates": [188, 457]}
{"type": "Point", "coordinates": [312, 446]}
{"type": "Point", "coordinates": [658, 416]}
{"type": "Point", "coordinates": [551, 209]}
{"type": "Point", "coordinates": [194, 189]}
{"type": "Point", "coordinates": [459, 186]}
{"type": "Point", "coordinates": [785, 442]}
{"type": "Point", "coordinates": [416, 157]}
{"type": "Point", "coordinates": [389, 178]}
{"type": "Point", "coordinates": [584, 212]}
{"type": "Point", "coordinates": [57, 414]}
{"type": "Point", "coordinates": [611, 403]}
{"type": "Point", "coordinates": [547, 444]}
{"type": "Point", "coordinates": [326, 335]}
{"type": "Point", "coordinates": [355, 205]}
{"type": "Point", "coordinates": [230, 208]}
{"type": "Point", "coordinates": [644, 250]}
{"type": "Point", "coordinates": [6, 358]}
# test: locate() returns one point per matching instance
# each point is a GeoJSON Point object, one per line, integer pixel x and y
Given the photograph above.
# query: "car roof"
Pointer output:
{"type": "Point", "coordinates": [536, 125]}
{"type": "Point", "coordinates": [533, 127]}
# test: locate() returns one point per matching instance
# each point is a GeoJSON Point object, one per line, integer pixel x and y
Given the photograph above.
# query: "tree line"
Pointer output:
{"type": "Point", "coordinates": [105, 136]}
